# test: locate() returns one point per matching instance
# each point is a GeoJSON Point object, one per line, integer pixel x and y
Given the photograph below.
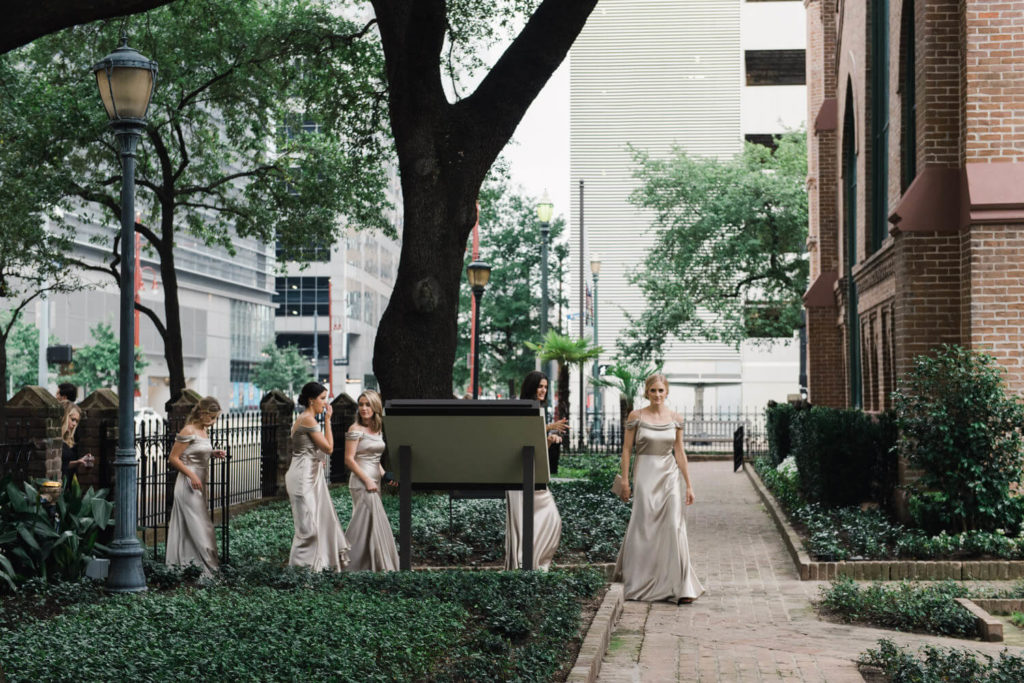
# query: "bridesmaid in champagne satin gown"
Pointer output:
{"type": "Point", "coordinates": [190, 536]}
{"type": "Point", "coordinates": [547, 522]}
{"type": "Point", "coordinates": [654, 561]}
{"type": "Point", "coordinates": [369, 532]}
{"type": "Point", "coordinates": [318, 543]}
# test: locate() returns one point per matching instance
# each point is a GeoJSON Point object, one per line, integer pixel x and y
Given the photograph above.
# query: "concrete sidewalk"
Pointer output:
{"type": "Point", "coordinates": [755, 621]}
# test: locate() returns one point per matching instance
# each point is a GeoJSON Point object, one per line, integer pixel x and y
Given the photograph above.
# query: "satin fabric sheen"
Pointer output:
{"type": "Point", "coordinates": [547, 529]}
{"type": "Point", "coordinates": [319, 542]}
{"type": "Point", "coordinates": [369, 532]}
{"type": "Point", "coordinates": [190, 537]}
{"type": "Point", "coordinates": [654, 561]}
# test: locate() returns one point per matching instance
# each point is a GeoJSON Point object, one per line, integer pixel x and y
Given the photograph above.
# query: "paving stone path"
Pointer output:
{"type": "Point", "coordinates": [755, 621]}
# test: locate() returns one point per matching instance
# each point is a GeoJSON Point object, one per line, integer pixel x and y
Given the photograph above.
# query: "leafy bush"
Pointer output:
{"type": "Point", "coordinates": [777, 420]}
{"type": "Point", "coordinates": [906, 606]}
{"type": "Point", "coordinates": [257, 621]}
{"type": "Point", "coordinates": [34, 543]}
{"type": "Point", "coordinates": [941, 664]}
{"type": "Point", "coordinates": [959, 425]}
{"type": "Point", "coordinates": [843, 455]}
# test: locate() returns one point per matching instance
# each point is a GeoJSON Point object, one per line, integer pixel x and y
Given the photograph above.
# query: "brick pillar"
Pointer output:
{"type": "Point", "coordinates": [97, 434]}
{"type": "Point", "coordinates": [34, 415]}
{"type": "Point", "coordinates": [344, 415]}
{"type": "Point", "coordinates": [277, 411]}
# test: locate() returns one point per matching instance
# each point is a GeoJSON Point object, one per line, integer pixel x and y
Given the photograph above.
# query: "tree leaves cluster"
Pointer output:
{"type": "Point", "coordinates": [97, 366]}
{"type": "Point", "coordinates": [285, 369]}
{"type": "Point", "coordinates": [729, 260]}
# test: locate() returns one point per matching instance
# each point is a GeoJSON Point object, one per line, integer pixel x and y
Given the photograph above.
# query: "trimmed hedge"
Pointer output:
{"type": "Point", "coordinates": [905, 606]}
{"type": "Point", "coordinates": [777, 419]}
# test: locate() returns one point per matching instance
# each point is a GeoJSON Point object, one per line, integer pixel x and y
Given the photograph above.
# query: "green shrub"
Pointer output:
{"type": "Point", "coordinates": [34, 543]}
{"type": "Point", "coordinates": [843, 455]}
{"type": "Point", "coordinates": [777, 420]}
{"type": "Point", "coordinates": [961, 427]}
{"type": "Point", "coordinates": [906, 606]}
{"type": "Point", "coordinates": [941, 664]}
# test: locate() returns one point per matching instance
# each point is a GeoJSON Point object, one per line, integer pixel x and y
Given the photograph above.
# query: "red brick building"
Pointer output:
{"type": "Point", "coordinates": [916, 185]}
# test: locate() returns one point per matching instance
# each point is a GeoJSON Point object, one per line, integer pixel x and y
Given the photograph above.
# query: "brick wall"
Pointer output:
{"type": "Point", "coordinates": [994, 80]}
{"type": "Point", "coordinates": [825, 383]}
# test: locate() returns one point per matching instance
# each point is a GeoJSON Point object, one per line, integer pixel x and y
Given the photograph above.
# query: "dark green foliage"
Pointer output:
{"type": "Point", "coordinates": [905, 606]}
{"type": "Point", "coordinates": [961, 426]}
{"type": "Point", "coordinates": [777, 419]}
{"type": "Point", "coordinates": [785, 486]}
{"type": "Point", "coordinates": [941, 664]}
{"type": "Point", "coordinates": [32, 543]}
{"type": "Point", "coordinates": [843, 456]}
{"type": "Point", "coordinates": [257, 621]}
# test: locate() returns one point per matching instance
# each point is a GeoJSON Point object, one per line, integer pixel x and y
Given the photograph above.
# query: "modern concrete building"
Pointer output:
{"type": "Point", "coordinates": [702, 75]}
{"type": "Point", "coordinates": [916, 175]}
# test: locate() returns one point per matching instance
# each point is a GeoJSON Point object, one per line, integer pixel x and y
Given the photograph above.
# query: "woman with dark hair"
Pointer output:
{"type": "Point", "coordinates": [369, 532]}
{"type": "Point", "coordinates": [547, 523]}
{"type": "Point", "coordinates": [319, 542]}
{"type": "Point", "coordinates": [190, 537]}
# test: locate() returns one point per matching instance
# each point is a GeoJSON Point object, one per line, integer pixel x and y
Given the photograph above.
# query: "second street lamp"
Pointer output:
{"type": "Point", "coordinates": [595, 270]}
{"type": "Point", "coordinates": [479, 273]}
{"type": "Point", "coordinates": [126, 80]}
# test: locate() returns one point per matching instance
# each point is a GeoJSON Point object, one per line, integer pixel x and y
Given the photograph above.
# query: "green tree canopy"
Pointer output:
{"type": "Point", "coordinates": [566, 352]}
{"type": "Point", "coordinates": [97, 365]}
{"type": "Point", "coordinates": [729, 260]}
{"type": "Point", "coordinates": [285, 369]}
{"type": "Point", "coordinates": [23, 354]}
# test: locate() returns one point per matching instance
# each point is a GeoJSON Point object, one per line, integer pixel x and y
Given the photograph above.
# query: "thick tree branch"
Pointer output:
{"type": "Point", "coordinates": [208, 189]}
{"type": "Point", "coordinates": [26, 20]}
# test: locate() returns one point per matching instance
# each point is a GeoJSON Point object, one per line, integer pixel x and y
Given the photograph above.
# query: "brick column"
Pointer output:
{"type": "Point", "coordinates": [33, 415]}
{"type": "Point", "coordinates": [344, 415]}
{"type": "Point", "coordinates": [277, 411]}
{"type": "Point", "coordinates": [97, 434]}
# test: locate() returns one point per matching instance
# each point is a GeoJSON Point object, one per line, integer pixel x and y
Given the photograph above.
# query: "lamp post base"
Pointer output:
{"type": "Point", "coordinates": [125, 574]}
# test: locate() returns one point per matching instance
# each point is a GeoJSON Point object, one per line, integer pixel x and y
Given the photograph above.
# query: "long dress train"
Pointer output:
{"type": "Point", "coordinates": [369, 532]}
{"type": "Point", "coordinates": [547, 529]}
{"type": "Point", "coordinates": [190, 537]}
{"type": "Point", "coordinates": [319, 542]}
{"type": "Point", "coordinates": [654, 561]}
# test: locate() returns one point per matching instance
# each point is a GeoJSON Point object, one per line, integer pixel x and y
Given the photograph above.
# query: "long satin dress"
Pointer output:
{"type": "Point", "coordinates": [190, 537]}
{"type": "Point", "coordinates": [369, 532]}
{"type": "Point", "coordinates": [547, 529]}
{"type": "Point", "coordinates": [319, 542]}
{"type": "Point", "coordinates": [654, 561]}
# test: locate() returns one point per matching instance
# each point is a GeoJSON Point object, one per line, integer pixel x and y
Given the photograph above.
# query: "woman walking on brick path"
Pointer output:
{"type": "Point", "coordinates": [319, 542]}
{"type": "Point", "coordinates": [547, 523]}
{"type": "Point", "coordinates": [190, 537]}
{"type": "Point", "coordinates": [654, 561]}
{"type": "Point", "coordinates": [369, 532]}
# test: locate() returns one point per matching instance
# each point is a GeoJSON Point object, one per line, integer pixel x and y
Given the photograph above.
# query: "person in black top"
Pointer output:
{"type": "Point", "coordinates": [67, 391]}
{"type": "Point", "coordinates": [70, 463]}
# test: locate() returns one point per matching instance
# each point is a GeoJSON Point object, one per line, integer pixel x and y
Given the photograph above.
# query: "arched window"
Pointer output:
{"type": "Point", "coordinates": [908, 96]}
{"type": "Point", "coordinates": [879, 202]}
{"type": "Point", "coordinates": [850, 243]}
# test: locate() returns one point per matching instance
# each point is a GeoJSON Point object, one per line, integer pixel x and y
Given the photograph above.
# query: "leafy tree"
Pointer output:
{"type": "Point", "coordinates": [444, 150]}
{"type": "Point", "coordinates": [728, 263]}
{"type": "Point", "coordinates": [629, 380]}
{"type": "Point", "coordinates": [23, 354]}
{"type": "Point", "coordinates": [26, 20]}
{"type": "Point", "coordinates": [510, 307]}
{"type": "Point", "coordinates": [97, 366]}
{"type": "Point", "coordinates": [566, 352]}
{"type": "Point", "coordinates": [958, 423]}
{"type": "Point", "coordinates": [285, 369]}
{"type": "Point", "coordinates": [223, 153]}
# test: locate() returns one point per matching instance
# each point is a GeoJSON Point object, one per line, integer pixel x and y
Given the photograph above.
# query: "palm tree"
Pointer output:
{"type": "Point", "coordinates": [629, 380]}
{"type": "Point", "coordinates": [567, 352]}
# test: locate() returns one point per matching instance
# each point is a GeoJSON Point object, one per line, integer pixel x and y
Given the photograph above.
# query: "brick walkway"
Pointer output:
{"type": "Point", "coordinates": [755, 621]}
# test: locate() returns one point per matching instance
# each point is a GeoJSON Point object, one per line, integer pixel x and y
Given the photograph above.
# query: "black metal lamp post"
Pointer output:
{"type": "Point", "coordinates": [479, 273]}
{"type": "Point", "coordinates": [595, 270]}
{"type": "Point", "coordinates": [126, 80]}
{"type": "Point", "coordinates": [544, 211]}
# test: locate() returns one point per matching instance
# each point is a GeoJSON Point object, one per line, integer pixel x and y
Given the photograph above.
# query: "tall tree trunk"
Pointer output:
{"type": "Point", "coordinates": [173, 347]}
{"type": "Point", "coordinates": [563, 391]}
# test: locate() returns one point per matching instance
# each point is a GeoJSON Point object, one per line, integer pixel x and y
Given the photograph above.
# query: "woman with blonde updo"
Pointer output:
{"type": "Point", "coordinates": [654, 560]}
{"type": "Point", "coordinates": [70, 463]}
{"type": "Point", "coordinates": [369, 532]}
{"type": "Point", "coordinates": [190, 537]}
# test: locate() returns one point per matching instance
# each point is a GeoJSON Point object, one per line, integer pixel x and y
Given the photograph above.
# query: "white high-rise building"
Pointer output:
{"type": "Point", "coordinates": [703, 75]}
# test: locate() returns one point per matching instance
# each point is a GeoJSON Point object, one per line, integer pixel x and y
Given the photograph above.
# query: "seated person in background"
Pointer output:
{"type": "Point", "coordinates": [67, 391]}
{"type": "Point", "coordinates": [70, 463]}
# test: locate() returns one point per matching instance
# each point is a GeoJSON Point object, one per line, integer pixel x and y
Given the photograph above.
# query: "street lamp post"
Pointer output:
{"type": "Point", "coordinates": [595, 270]}
{"type": "Point", "coordinates": [479, 273]}
{"type": "Point", "coordinates": [544, 211]}
{"type": "Point", "coordinates": [126, 80]}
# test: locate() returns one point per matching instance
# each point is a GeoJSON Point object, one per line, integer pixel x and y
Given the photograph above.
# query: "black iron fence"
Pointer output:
{"type": "Point", "coordinates": [15, 457]}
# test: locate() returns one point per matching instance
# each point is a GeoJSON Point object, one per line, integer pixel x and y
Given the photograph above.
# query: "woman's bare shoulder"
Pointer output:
{"type": "Point", "coordinates": [188, 430]}
{"type": "Point", "coordinates": [306, 421]}
{"type": "Point", "coordinates": [633, 415]}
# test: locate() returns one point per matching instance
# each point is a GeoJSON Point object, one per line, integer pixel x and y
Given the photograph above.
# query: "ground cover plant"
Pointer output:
{"type": "Point", "coordinates": [950, 665]}
{"type": "Point", "coordinates": [850, 533]}
{"type": "Point", "coordinates": [257, 621]}
{"type": "Point", "coordinates": [905, 606]}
